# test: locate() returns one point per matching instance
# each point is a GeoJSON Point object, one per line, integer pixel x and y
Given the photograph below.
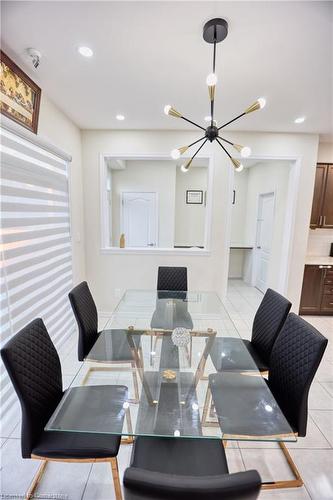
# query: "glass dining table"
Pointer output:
{"type": "Point", "coordinates": [172, 388]}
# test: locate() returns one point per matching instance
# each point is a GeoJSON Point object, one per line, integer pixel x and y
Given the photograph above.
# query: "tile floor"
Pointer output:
{"type": "Point", "coordinates": [313, 454]}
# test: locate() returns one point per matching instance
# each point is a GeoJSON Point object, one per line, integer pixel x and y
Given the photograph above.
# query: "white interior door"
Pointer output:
{"type": "Point", "coordinates": [265, 222]}
{"type": "Point", "coordinates": [139, 219]}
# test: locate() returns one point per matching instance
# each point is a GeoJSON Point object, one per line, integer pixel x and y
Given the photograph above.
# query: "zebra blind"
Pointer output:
{"type": "Point", "coordinates": [36, 257]}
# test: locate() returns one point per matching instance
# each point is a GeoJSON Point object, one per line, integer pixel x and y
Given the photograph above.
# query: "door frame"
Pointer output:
{"type": "Point", "coordinates": [156, 212]}
{"type": "Point", "coordinates": [289, 221]}
{"type": "Point", "coordinates": [255, 249]}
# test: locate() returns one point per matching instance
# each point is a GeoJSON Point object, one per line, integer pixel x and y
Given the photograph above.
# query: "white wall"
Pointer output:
{"type": "Point", "coordinates": [190, 219]}
{"type": "Point", "coordinates": [59, 130]}
{"type": "Point", "coordinates": [238, 209]}
{"type": "Point", "coordinates": [325, 152]}
{"type": "Point", "coordinates": [152, 176]}
{"type": "Point", "coordinates": [109, 272]}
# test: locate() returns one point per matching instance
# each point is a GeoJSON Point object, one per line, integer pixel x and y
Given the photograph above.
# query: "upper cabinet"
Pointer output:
{"type": "Point", "coordinates": [322, 204]}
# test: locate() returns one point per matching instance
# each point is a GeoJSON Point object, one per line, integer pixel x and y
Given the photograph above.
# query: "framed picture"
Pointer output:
{"type": "Point", "coordinates": [194, 197]}
{"type": "Point", "coordinates": [20, 96]}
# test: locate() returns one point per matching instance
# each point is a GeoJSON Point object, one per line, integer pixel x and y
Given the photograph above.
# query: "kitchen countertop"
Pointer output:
{"type": "Point", "coordinates": [320, 260]}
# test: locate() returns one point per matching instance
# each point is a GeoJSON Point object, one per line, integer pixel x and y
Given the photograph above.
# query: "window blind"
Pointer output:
{"type": "Point", "coordinates": [36, 257]}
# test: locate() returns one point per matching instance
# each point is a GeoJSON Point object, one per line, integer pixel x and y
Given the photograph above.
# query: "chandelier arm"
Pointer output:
{"type": "Point", "coordinates": [226, 140]}
{"type": "Point", "coordinates": [220, 143]}
{"type": "Point", "coordinates": [195, 142]}
{"type": "Point", "coordinates": [197, 151]}
{"type": "Point", "coordinates": [193, 123]}
{"type": "Point", "coordinates": [233, 120]}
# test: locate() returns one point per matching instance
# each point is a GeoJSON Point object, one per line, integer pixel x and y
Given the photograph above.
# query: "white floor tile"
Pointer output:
{"type": "Point", "coordinates": [16, 472]}
{"type": "Point", "coordinates": [324, 420]}
{"type": "Point", "coordinates": [316, 469]}
{"type": "Point", "coordinates": [64, 480]}
{"type": "Point", "coordinates": [328, 386]}
{"type": "Point", "coordinates": [319, 399]}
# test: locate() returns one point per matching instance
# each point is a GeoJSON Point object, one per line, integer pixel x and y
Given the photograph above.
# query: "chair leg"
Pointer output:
{"type": "Point", "coordinates": [290, 483]}
{"type": "Point", "coordinates": [37, 477]}
{"type": "Point", "coordinates": [116, 480]}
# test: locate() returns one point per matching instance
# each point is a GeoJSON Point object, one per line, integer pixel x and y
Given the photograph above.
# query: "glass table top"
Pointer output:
{"type": "Point", "coordinates": [171, 364]}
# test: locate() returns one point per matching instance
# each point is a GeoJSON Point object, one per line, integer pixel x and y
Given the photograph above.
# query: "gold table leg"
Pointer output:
{"type": "Point", "coordinates": [290, 483]}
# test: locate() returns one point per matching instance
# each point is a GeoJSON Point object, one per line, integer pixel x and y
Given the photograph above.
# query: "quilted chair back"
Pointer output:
{"type": "Point", "coordinates": [34, 368]}
{"type": "Point", "coordinates": [172, 278]}
{"type": "Point", "coordinates": [295, 358]}
{"type": "Point", "coordinates": [268, 321]}
{"type": "Point", "coordinates": [85, 313]}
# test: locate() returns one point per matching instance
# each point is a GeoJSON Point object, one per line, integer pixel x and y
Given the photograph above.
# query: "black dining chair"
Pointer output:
{"type": "Point", "coordinates": [267, 324]}
{"type": "Point", "coordinates": [294, 360]}
{"type": "Point", "coordinates": [172, 278]}
{"type": "Point", "coordinates": [185, 469]}
{"type": "Point", "coordinates": [34, 368]}
{"type": "Point", "coordinates": [171, 307]}
{"type": "Point", "coordinates": [109, 346]}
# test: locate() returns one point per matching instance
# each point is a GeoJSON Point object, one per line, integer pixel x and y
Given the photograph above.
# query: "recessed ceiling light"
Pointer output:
{"type": "Point", "coordinates": [85, 51]}
{"type": "Point", "coordinates": [300, 119]}
{"type": "Point", "coordinates": [120, 117]}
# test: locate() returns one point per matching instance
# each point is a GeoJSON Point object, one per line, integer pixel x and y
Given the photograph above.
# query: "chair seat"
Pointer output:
{"type": "Point", "coordinates": [183, 456]}
{"type": "Point", "coordinates": [112, 345]}
{"type": "Point", "coordinates": [235, 355]}
{"type": "Point", "coordinates": [54, 444]}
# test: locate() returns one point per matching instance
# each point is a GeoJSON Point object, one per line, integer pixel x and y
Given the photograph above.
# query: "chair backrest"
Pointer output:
{"type": "Point", "coordinates": [34, 368]}
{"type": "Point", "coordinates": [268, 321]}
{"type": "Point", "coordinates": [85, 313]}
{"type": "Point", "coordinates": [140, 484]}
{"type": "Point", "coordinates": [172, 278]}
{"type": "Point", "coordinates": [295, 358]}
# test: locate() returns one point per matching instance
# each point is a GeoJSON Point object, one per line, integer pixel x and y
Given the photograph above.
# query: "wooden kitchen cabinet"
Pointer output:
{"type": "Point", "coordinates": [322, 203]}
{"type": "Point", "coordinates": [317, 290]}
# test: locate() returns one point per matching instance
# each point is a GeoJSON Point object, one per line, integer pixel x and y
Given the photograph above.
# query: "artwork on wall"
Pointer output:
{"type": "Point", "coordinates": [20, 96]}
{"type": "Point", "coordinates": [194, 197]}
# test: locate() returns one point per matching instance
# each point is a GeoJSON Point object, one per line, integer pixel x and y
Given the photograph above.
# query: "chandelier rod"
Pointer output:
{"type": "Point", "coordinates": [196, 141]}
{"type": "Point", "coordinates": [226, 140]}
{"type": "Point", "coordinates": [212, 101]}
{"type": "Point", "coordinates": [197, 151]}
{"type": "Point", "coordinates": [234, 119]}
{"type": "Point", "coordinates": [193, 123]}
{"type": "Point", "coordinates": [220, 143]}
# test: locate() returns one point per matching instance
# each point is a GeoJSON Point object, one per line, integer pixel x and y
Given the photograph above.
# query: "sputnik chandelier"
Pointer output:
{"type": "Point", "coordinates": [214, 32]}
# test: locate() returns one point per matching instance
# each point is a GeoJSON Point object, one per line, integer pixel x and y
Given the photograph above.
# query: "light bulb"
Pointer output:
{"type": "Point", "coordinates": [211, 80]}
{"type": "Point", "coordinates": [175, 154]}
{"type": "Point", "coordinates": [167, 109]}
{"type": "Point", "coordinates": [300, 119]}
{"type": "Point", "coordinates": [245, 152]}
{"type": "Point", "coordinates": [262, 102]}
{"type": "Point", "coordinates": [85, 51]}
{"type": "Point", "coordinates": [239, 168]}
{"type": "Point", "coordinates": [184, 168]}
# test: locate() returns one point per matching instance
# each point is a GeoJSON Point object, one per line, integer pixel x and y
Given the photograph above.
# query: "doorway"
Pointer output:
{"type": "Point", "coordinates": [264, 238]}
{"type": "Point", "coordinates": [139, 219]}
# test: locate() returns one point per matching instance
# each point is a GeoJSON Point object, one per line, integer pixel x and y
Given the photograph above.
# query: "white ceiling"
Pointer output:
{"type": "Point", "coordinates": [148, 54]}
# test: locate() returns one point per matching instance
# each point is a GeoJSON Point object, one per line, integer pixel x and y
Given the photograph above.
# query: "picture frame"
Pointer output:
{"type": "Point", "coordinates": [194, 197]}
{"type": "Point", "coordinates": [19, 95]}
